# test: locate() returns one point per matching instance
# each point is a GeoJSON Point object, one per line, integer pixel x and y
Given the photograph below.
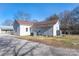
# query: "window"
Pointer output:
{"type": "Point", "coordinates": [26, 29]}
{"type": "Point", "coordinates": [58, 32]}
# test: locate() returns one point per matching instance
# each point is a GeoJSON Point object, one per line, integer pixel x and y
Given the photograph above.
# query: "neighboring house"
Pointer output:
{"type": "Point", "coordinates": [46, 28]}
{"type": "Point", "coordinates": [22, 27]}
{"type": "Point", "coordinates": [6, 29]}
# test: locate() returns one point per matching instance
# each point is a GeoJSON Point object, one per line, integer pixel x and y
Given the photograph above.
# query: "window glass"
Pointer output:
{"type": "Point", "coordinates": [26, 29]}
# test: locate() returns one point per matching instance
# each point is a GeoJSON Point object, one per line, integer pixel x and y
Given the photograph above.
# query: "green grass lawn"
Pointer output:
{"type": "Point", "coordinates": [66, 41]}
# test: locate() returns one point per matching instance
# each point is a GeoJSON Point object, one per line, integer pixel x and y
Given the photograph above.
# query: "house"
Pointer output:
{"type": "Point", "coordinates": [22, 27]}
{"type": "Point", "coordinates": [46, 28]}
{"type": "Point", "coordinates": [6, 29]}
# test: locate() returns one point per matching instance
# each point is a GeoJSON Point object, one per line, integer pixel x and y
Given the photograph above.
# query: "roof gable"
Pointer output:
{"type": "Point", "coordinates": [45, 24]}
{"type": "Point", "coordinates": [23, 22]}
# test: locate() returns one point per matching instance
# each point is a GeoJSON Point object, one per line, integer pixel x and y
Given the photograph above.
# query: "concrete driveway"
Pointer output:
{"type": "Point", "coordinates": [11, 46]}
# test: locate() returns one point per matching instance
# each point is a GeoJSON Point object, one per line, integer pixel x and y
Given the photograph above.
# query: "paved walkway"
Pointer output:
{"type": "Point", "coordinates": [11, 46]}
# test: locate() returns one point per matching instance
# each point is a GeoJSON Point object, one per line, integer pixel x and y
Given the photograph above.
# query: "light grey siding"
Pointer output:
{"type": "Point", "coordinates": [43, 31]}
{"type": "Point", "coordinates": [49, 32]}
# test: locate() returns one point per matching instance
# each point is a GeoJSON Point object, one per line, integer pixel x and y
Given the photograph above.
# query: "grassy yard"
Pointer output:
{"type": "Point", "coordinates": [67, 41]}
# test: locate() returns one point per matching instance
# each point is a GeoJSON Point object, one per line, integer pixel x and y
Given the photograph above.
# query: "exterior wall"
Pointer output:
{"type": "Point", "coordinates": [49, 32]}
{"type": "Point", "coordinates": [3, 32]}
{"type": "Point", "coordinates": [45, 31]}
{"type": "Point", "coordinates": [39, 31]}
{"type": "Point", "coordinates": [6, 29]}
{"type": "Point", "coordinates": [55, 28]}
{"type": "Point", "coordinates": [23, 31]}
{"type": "Point", "coordinates": [0, 30]}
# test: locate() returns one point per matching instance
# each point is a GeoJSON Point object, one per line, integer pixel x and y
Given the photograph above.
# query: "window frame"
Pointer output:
{"type": "Point", "coordinates": [26, 29]}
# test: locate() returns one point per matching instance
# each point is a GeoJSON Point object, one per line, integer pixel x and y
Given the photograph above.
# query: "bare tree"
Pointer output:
{"type": "Point", "coordinates": [66, 21]}
{"type": "Point", "coordinates": [54, 17]}
{"type": "Point", "coordinates": [8, 22]}
{"type": "Point", "coordinates": [70, 21]}
{"type": "Point", "coordinates": [20, 15]}
{"type": "Point", "coordinates": [34, 20]}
